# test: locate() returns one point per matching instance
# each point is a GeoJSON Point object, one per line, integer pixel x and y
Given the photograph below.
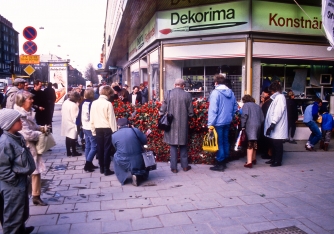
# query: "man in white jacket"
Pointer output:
{"type": "Point", "coordinates": [103, 124]}
{"type": "Point", "coordinates": [276, 124]}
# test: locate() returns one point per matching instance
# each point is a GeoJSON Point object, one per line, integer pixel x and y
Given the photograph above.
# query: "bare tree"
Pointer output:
{"type": "Point", "coordinates": [91, 75]}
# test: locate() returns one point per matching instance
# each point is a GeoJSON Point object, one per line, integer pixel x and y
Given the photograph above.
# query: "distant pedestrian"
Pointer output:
{"type": "Point", "coordinates": [40, 102]}
{"type": "Point", "coordinates": [144, 92]}
{"type": "Point", "coordinates": [327, 125]}
{"type": "Point", "coordinates": [50, 98]}
{"type": "Point", "coordinates": [69, 113]}
{"type": "Point", "coordinates": [14, 172]}
{"type": "Point", "coordinates": [179, 104]}
{"type": "Point", "coordinates": [292, 116]}
{"type": "Point", "coordinates": [222, 107]}
{"type": "Point", "coordinates": [264, 141]}
{"type": "Point", "coordinates": [91, 145]}
{"type": "Point", "coordinates": [18, 84]}
{"type": "Point", "coordinates": [251, 121]}
{"type": "Point", "coordinates": [135, 97]}
{"type": "Point", "coordinates": [311, 114]}
{"type": "Point", "coordinates": [103, 124]}
{"type": "Point", "coordinates": [276, 124]}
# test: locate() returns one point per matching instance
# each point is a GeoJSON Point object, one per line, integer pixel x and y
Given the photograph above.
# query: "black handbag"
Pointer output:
{"type": "Point", "coordinates": [148, 157]}
{"type": "Point", "coordinates": [165, 121]}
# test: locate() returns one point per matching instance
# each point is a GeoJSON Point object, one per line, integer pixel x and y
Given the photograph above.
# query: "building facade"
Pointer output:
{"type": "Point", "coordinates": [252, 41]}
{"type": "Point", "coordinates": [9, 48]}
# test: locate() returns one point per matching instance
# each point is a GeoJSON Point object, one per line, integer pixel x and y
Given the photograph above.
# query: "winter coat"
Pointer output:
{"type": "Point", "coordinates": [327, 122]}
{"type": "Point", "coordinates": [11, 94]}
{"type": "Point", "coordinates": [128, 157]}
{"type": "Point", "coordinates": [42, 116]}
{"type": "Point", "coordinates": [69, 113]}
{"type": "Point", "coordinates": [277, 114]}
{"type": "Point", "coordinates": [222, 106]}
{"type": "Point", "coordinates": [181, 107]}
{"type": "Point", "coordinates": [14, 155]}
{"type": "Point", "coordinates": [85, 114]}
{"type": "Point", "coordinates": [30, 132]}
{"type": "Point", "coordinates": [138, 97]}
{"type": "Point", "coordinates": [144, 94]}
{"type": "Point", "coordinates": [292, 110]}
{"type": "Point", "coordinates": [251, 120]}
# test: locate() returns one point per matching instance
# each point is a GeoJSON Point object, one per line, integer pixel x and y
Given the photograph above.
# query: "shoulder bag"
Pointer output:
{"type": "Point", "coordinates": [148, 156]}
{"type": "Point", "coordinates": [45, 142]}
{"type": "Point", "coordinates": [165, 121]}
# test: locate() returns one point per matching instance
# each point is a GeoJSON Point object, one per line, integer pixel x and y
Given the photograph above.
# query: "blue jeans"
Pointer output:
{"type": "Point", "coordinates": [315, 135]}
{"type": "Point", "coordinates": [223, 144]}
{"type": "Point", "coordinates": [91, 146]}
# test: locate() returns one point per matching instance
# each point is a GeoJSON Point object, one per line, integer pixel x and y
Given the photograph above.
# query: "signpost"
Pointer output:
{"type": "Point", "coordinates": [29, 59]}
{"type": "Point", "coordinates": [99, 65]}
{"type": "Point", "coordinates": [29, 33]}
{"type": "Point", "coordinates": [29, 47]}
{"type": "Point", "coordinates": [29, 70]}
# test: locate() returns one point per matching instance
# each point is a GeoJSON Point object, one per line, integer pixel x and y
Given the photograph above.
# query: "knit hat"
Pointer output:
{"type": "Point", "coordinates": [122, 122]}
{"type": "Point", "coordinates": [8, 118]}
{"type": "Point", "coordinates": [19, 80]}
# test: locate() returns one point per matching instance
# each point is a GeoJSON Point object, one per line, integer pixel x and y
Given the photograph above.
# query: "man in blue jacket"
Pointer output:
{"type": "Point", "coordinates": [222, 107]}
{"type": "Point", "coordinates": [310, 117]}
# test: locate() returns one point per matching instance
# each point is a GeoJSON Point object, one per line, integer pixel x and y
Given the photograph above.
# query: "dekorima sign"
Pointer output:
{"type": "Point", "coordinates": [286, 18]}
{"type": "Point", "coordinates": [204, 20]}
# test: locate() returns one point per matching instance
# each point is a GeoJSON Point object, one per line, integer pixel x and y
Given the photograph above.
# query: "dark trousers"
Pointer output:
{"type": "Point", "coordinates": [174, 154]}
{"type": "Point", "coordinates": [277, 150]}
{"type": "Point", "coordinates": [291, 129]}
{"type": "Point", "coordinates": [70, 143]}
{"type": "Point", "coordinates": [104, 147]}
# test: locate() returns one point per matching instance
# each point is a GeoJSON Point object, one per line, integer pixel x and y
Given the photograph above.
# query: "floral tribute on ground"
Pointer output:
{"type": "Point", "coordinates": [146, 117]}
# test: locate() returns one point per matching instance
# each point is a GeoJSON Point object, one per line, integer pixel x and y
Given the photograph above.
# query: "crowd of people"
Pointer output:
{"type": "Point", "coordinates": [89, 114]}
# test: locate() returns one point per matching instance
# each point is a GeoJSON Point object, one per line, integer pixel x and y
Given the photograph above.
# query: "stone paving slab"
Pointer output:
{"type": "Point", "coordinates": [238, 200]}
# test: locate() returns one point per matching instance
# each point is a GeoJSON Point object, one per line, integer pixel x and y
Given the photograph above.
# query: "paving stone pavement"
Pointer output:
{"type": "Point", "coordinates": [238, 200]}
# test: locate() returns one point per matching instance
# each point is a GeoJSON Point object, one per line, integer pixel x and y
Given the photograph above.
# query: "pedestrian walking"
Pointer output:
{"type": "Point", "coordinates": [179, 104]}
{"type": "Point", "coordinates": [31, 132]}
{"type": "Point", "coordinates": [276, 124]}
{"type": "Point", "coordinates": [222, 107]}
{"type": "Point", "coordinates": [14, 183]}
{"type": "Point", "coordinates": [311, 114]}
{"type": "Point", "coordinates": [251, 121]}
{"type": "Point", "coordinates": [103, 124]}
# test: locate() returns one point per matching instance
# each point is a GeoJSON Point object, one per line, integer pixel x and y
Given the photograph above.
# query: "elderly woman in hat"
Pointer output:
{"type": "Point", "coordinates": [128, 158]}
{"type": "Point", "coordinates": [14, 200]}
{"type": "Point", "coordinates": [31, 131]}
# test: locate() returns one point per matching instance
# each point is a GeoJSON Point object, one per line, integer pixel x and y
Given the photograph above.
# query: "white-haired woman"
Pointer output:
{"type": "Point", "coordinates": [31, 131]}
{"type": "Point", "coordinates": [69, 113]}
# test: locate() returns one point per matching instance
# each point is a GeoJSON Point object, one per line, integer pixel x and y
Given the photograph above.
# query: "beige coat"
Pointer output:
{"type": "Point", "coordinates": [69, 113]}
{"type": "Point", "coordinates": [31, 131]}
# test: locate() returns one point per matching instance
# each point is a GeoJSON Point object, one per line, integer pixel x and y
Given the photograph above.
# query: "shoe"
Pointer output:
{"type": "Point", "coordinates": [293, 142]}
{"type": "Point", "coordinates": [187, 168]}
{"type": "Point", "coordinates": [92, 165]}
{"type": "Point", "coordinates": [49, 150]}
{"type": "Point", "coordinates": [174, 170]}
{"type": "Point", "coordinates": [249, 165]}
{"type": "Point", "coordinates": [88, 167]}
{"type": "Point", "coordinates": [101, 170]}
{"type": "Point", "coordinates": [310, 148]}
{"type": "Point", "coordinates": [74, 154]}
{"type": "Point", "coordinates": [108, 172]}
{"type": "Point", "coordinates": [134, 180]}
{"type": "Point", "coordinates": [270, 161]}
{"type": "Point", "coordinates": [218, 167]}
{"type": "Point", "coordinates": [253, 162]}
{"type": "Point", "coordinates": [265, 156]}
{"type": "Point", "coordinates": [276, 164]}
{"type": "Point", "coordinates": [36, 200]}
{"type": "Point", "coordinates": [29, 230]}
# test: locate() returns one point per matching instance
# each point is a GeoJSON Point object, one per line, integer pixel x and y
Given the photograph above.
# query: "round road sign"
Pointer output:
{"type": "Point", "coordinates": [29, 33]}
{"type": "Point", "coordinates": [29, 47]}
{"type": "Point", "coordinates": [99, 65]}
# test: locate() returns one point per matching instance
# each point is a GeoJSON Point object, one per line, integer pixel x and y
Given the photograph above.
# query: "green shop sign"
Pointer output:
{"type": "Point", "coordinates": [286, 18]}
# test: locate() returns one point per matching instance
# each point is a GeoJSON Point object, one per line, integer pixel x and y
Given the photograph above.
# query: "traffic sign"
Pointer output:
{"type": "Point", "coordinates": [29, 59]}
{"type": "Point", "coordinates": [29, 33]}
{"type": "Point", "coordinates": [29, 70]}
{"type": "Point", "coordinates": [99, 65]}
{"type": "Point", "coordinates": [29, 47]}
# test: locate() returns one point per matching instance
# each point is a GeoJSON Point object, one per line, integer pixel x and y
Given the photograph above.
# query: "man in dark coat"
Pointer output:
{"type": "Point", "coordinates": [50, 98]}
{"type": "Point", "coordinates": [39, 103]}
{"type": "Point", "coordinates": [144, 92]}
{"type": "Point", "coordinates": [178, 103]}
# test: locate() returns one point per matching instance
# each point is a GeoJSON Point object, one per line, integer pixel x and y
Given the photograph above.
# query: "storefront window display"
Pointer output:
{"type": "Point", "coordinates": [154, 71]}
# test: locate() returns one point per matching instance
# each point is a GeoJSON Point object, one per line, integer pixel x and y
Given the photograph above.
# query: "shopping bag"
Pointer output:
{"type": "Point", "coordinates": [210, 141]}
{"type": "Point", "coordinates": [165, 122]}
{"type": "Point", "coordinates": [149, 160]}
{"type": "Point", "coordinates": [241, 140]}
{"type": "Point", "coordinates": [45, 142]}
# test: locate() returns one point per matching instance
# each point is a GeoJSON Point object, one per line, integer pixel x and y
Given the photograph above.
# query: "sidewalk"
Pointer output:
{"type": "Point", "coordinates": [239, 200]}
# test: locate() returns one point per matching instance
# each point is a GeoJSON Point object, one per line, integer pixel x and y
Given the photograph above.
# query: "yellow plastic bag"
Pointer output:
{"type": "Point", "coordinates": [319, 120]}
{"type": "Point", "coordinates": [210, 141]}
